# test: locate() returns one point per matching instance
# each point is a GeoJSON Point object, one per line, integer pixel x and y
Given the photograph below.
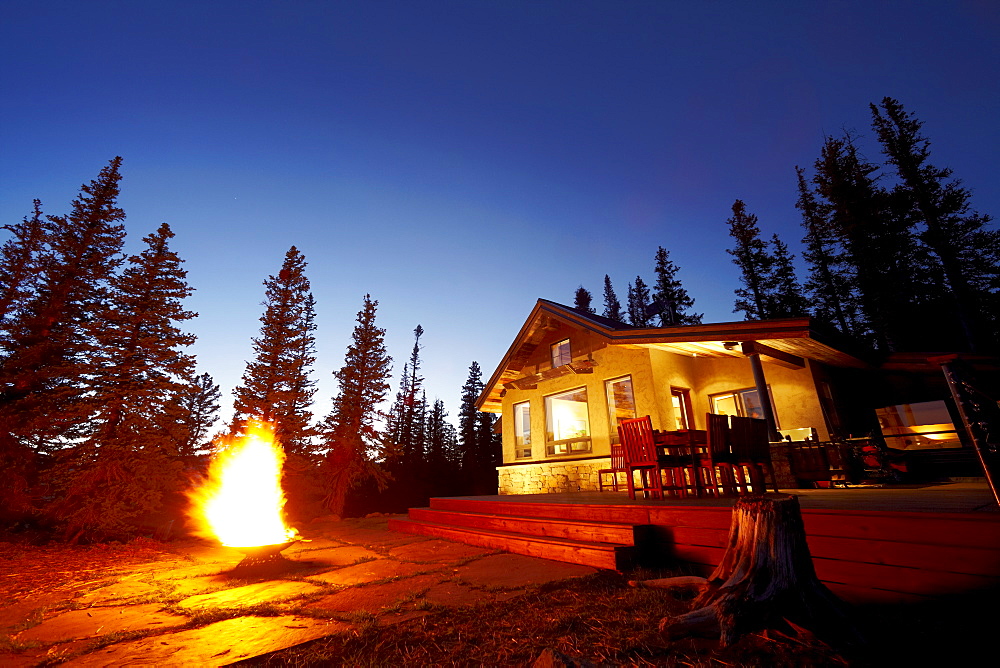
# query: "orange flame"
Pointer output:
{"type": "Point", "coordinates": [240, 504]}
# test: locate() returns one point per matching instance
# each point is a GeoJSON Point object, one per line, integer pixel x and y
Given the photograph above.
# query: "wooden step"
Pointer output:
{"type": "Point", "coordinates": [588, 531]}
{"type": "Point", "coordinates": [595, 554]}
{"type": "Point", "coordinates": [624, 514]}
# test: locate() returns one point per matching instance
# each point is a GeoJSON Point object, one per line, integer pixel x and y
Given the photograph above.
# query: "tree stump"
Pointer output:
{"type": "Point", "coordinates": [765, 580]}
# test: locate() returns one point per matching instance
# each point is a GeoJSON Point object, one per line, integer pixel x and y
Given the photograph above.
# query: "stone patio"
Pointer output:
{"type": "Point", "coordinates": [186, 609]}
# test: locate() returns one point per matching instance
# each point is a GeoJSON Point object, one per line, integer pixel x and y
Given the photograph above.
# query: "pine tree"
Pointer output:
{"type": "Point", "coordinates": [894, 277]}
{"type": "Point", "coordinates": [196, 411]}
{"type": "Point", "coordinates": [480, 448]}
{"type": "Point", "coordinates": [786, 299]}
{"type": "Point", "coordinates": [276, 385]}
{"type": "Point", "coordinates": [968, 252]}
{"type": "Point", "coordinates": [122, 471]}
{"type": "Point", "coordinates": [350, 432]}
{"type": "Point", "coordinates": [671, 296]}
{"type": "Point", "coordinates": [830, 287]}
{"type": "Point", "coordinates": [612, 307]}
{"type": "Point", "coordinates": [20, 267]}
{"type": "Point", "coordinates": [45, 347]}
{"type": "Point", "coordinates": [582, 299]}
{"type": "Point", "coordinates": [754, 262]}
{"type": "Point", "coordinates": [638, 303]}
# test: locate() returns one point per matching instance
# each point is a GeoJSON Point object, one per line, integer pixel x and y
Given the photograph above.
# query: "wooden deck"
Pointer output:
{"type": "Point", "coordinates": [890, 545]}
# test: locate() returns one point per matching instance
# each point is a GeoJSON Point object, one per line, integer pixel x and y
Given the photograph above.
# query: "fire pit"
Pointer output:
{"type": "Point", "coordinates": [240, 503]}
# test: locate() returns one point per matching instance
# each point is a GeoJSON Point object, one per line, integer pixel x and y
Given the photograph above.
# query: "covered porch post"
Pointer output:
{"type": "Point", "coordinates": [753, 350]}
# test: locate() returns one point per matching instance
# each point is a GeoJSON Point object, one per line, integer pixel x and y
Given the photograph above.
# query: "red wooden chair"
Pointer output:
{"type": "Point", "coordinates": [641, 455]}
{"type": "Point", "coordinates": [716, 463]}
{"type": "Point", "coordinates": [617, 466]}
{"type": "Point", "coordinates": [752, 450]}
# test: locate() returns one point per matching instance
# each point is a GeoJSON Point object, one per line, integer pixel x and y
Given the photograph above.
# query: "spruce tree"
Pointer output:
{"type": "Point", "coordinates": [877, 237]}
{"type": "Point", "coordinates": [351, 436]}
{"type": "Point", "coordinates": [196, 411]}
{"type": "Point", "coordinates": [20, 267]}
{"type": "Point", "coordinates": [754, 262]}
{"type": "Point", "coordinates": [122, 471]}
{"type": "Point", "coordinates": [480, 448]}
{"type": "Point", "coordinates": [45, 346]}
{"type": "Point", "coordinates": [276, 385]}
{"type": "Point", "coordinates": [786, 299]}
{"type": "Point", "coordinates": [670, 295]}
{"type": "Point", "coordinates": [582, 299]}
{"type": "Point", "coordinates": [612, 307]}
{"type": "Point", "coordinates": [638, 303]}
{"type": "Point", "coordinates": [830, 287]}
{"type": "Point", "coordinates": [968, 252]}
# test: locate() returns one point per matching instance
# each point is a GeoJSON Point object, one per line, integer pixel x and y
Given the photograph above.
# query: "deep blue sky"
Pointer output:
{"type": "Point", "coordinates": [458, 160]}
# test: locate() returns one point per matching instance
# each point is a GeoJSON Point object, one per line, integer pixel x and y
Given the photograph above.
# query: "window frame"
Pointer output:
{"type": "Point", "coordinates": [522, 448]}
{"type": "Point", "coordinates": [612, 423]}
{"type": "Point", "coordinates": [741, 404]}
{"type": "Point", "coordinates": [567, 446]}
{"type": "Point", "coordinates": [686, 412]}
{"type": "Point", "coordinates": [558, 355]}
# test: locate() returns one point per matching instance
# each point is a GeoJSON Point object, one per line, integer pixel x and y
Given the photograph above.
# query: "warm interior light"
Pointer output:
{"type": "Point", "coordinates": [241, 501]}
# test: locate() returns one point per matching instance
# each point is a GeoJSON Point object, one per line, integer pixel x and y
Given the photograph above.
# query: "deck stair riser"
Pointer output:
{"type": "Point", "coordinates": [564, 511]}
{"type": "Point", "coordinates": [601, 532]}
{"type": "Point", "coordinates": [598, 555]}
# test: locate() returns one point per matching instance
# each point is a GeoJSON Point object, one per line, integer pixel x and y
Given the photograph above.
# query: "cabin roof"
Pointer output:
{"type": "Point", "coordinates": [801, 337]}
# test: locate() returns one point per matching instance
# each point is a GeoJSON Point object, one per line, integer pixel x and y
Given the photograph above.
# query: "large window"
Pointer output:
{"type": "Point", "coordinates": [522, 430]}
{"type": "Point", "coordinates": [561, 353]}
{"type": "Point", "coordinates": [621, 403]}
{"type": "Point", "coordinates": [745, 403]}
{"type": "Point", "coordinates": [567, 426]}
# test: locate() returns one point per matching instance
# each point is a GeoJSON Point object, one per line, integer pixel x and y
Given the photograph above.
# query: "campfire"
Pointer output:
{"type": "Point", "coordinates": [240, 502]}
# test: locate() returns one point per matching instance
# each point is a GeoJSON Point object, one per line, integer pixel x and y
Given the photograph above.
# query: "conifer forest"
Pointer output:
{"type": "Point", "coordinates": [105, 422]}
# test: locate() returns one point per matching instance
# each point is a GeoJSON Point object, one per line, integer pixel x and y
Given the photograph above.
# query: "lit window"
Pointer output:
{"type": "Point", "coordinates": [561, 354]}
{"type": "Point", "coordinates": [745, 403]}
{"type": "Point", "coordinates": [522, 430]}
{"type": "Point", "coordinates": [567, 425]}
{"type": "Point", "coordinates": [681, 401]}
{"type": "Point", "coordinates": [621, 403]}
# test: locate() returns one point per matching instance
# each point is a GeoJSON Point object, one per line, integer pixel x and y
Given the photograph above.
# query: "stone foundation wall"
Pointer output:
{"type": "Point", "coordinates": [544, 478]}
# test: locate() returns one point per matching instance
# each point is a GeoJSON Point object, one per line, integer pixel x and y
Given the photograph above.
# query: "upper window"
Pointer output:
{"type": "Point", "coordinates": [680, 399]}
{"type": "Point", "coordinates": [561, 353]}
{"type": "Point", "coordinates": [522, 430]}
{"type": "Point", "coordinates": [621, 403]}
{"type": "Point", "coordinates": [567, 425]}
{"type": "Point", "coordinates": [745, 403]}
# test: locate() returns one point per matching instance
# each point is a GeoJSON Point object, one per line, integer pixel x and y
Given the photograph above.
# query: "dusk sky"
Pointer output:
{"type": "Point", "coordinates": [459, 160]}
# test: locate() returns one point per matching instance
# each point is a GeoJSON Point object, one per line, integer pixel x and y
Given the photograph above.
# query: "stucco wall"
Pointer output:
{"type": "Point", "coordinates": [654, 372]}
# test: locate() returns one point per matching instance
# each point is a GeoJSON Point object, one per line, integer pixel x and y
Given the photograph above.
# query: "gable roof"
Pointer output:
{"type": "Point", "coordinates": [799, 337]}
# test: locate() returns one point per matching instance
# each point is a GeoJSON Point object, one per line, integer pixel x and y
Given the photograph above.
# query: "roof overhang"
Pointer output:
{"type": "Point", "coordinates": [786, 342]}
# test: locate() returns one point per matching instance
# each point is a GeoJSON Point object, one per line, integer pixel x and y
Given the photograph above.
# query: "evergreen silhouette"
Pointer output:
{"type": "Point", "coordinates": [787, 299]}
{"type": "Point", "coordinates": [480, 446]}
{"type": "Point", "coordinates": [612, 307]}
{"type": "Point", "coordinates": [129, 461]}
{"type": "Point", "coordinates": [351, 436]}
{"type": "Point", "coordinates": [582, 299]}
{"type": "Point", "coordinates": [59, 273]}
{"type": "Point", "coordinates": [830, 286]}
{"type": "Point", "coordinates": [672, 300]}
{"type": "Point", "coordinates": [638, 303]}
{"type": "Point", "coordinates": [276, 385]}
{"type": "Point", "coordinates": [967, 251]}
{"type": "Point", "coordinates": [754, 262]}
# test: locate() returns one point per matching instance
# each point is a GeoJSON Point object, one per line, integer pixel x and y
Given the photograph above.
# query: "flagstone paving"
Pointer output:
{"type": "Point", "coordinates": [184, 606]}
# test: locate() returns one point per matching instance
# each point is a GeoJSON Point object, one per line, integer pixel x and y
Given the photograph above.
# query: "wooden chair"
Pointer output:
{"type": "Point", "coordinates": [752, 451]}
{"type": "Point", "coordinates": [716, 464]}
{"type": "Point", "coordinates": [642, 457]}
{"type": "Point", "coordinates": [617, 466]}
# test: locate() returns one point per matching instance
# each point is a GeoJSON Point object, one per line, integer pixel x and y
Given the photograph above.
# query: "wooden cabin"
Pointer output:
{"type": "Point", "coordinates": [570, 376]}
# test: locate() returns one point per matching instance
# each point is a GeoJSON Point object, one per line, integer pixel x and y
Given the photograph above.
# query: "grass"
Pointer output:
{"type": "Point", "coordinates": [598, 619]}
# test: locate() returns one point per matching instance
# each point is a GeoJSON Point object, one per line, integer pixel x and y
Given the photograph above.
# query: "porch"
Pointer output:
{"type": "Point", "coordinates": [901, 543]}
